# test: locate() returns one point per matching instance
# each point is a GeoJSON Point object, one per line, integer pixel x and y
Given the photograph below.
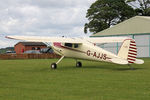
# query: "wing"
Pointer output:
{"type": "Point", "coordinates": [106, 39]}
{"type": "Point", "coordinates": [97, 40]}
{"type": "Point", "coordinates": [45, 39]}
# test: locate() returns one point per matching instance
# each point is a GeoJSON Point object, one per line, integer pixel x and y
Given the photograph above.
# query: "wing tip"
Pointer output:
{"type": "Point", "coordinates": [8, 37]}
{"type": "Point", "coordinates": [139, 61]}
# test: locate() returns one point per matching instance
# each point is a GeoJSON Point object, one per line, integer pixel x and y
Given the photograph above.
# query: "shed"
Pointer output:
{"type": "Point", "coordinates": [21, 47]}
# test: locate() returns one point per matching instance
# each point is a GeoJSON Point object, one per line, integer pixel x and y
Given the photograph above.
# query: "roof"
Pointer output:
{"type": "Point", "coordinates": [32, 43]}
{"type": "Point", "coordinates": [134, 25]}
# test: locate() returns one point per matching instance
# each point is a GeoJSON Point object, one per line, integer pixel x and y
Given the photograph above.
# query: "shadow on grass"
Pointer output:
{"type": "Point", "coordinates": [92, 66]}
{"type": "Point", "coordinates": [100, 67]}
{"type": "Point", "coordinates": [112, 67]}
{"type": "Point", "coordinates": [126, 69]}
{"type": "Point", "coordinates": [71, 68]}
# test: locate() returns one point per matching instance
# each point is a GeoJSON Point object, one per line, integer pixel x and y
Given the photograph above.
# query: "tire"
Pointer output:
{"type": "Point", "coordinates": [78, 64]}
{"type": "Point", "coordinates": [53, 66]}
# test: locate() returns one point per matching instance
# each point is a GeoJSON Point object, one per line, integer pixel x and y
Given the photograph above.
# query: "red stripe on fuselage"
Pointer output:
{"type": "Point", "coordinates": [72, 49]}
{"type": "Point", "coordinates": [58, 44]}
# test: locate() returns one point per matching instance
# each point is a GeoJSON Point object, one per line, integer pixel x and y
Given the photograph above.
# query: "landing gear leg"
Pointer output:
{"type": "Point", "coordinates": [54, 65]}
{"type": "Point", "coordinates": [78, 64]}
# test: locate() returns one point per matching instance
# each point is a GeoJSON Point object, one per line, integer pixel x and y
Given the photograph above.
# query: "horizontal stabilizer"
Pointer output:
{"type": "Point", "coordinates": [119, 61]}
{"type": "Point", "coordinates": [139, 61]}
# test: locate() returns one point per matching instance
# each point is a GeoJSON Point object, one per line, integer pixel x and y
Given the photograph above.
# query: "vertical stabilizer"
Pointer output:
{"type": "Point", "coordinates": [128, 51]}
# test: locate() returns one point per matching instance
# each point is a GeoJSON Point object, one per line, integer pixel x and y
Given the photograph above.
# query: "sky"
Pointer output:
{"type": "Point", "coordinates": [42, 18]}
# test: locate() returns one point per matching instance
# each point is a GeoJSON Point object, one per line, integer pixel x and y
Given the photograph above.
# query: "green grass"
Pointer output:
{"type": "Point", "coordinates": [34, 80]}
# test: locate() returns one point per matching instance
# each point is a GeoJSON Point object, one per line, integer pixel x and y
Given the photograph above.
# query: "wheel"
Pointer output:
{"type": "Point", "coordinates": [78, 64]}
{"type": "Point", "coordinates": [53, 65]}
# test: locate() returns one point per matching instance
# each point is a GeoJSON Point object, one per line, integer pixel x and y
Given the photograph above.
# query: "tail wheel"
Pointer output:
{"type": "Point", "coordinates": [78, 64]}
{"type": "Point", "coordinates": [53, 65]}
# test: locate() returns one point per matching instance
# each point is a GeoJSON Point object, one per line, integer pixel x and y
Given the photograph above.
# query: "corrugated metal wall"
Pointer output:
{"type": "Point", "coordinates": [142, 42]}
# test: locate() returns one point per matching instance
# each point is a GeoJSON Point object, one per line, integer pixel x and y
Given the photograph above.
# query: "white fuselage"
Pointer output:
{"type": "Point", "coordinates": [87, 51]}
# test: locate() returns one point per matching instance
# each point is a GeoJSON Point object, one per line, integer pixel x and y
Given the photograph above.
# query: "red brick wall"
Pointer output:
{"type": "Point", "coordinates": [30, 47]}
{"type": "Point", "coordinates": [19, 48]}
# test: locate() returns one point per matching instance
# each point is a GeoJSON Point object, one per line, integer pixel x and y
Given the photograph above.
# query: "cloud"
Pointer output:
{"type": "Point", "coordinates": [42, 17]}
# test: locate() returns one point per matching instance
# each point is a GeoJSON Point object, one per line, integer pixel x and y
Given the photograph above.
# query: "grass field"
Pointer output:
{"type": "Point", "coordinates": [34, 80]}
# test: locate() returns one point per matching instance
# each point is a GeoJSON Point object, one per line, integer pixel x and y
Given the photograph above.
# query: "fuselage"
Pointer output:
{"type": "Point", "coordinates": [86, 51]}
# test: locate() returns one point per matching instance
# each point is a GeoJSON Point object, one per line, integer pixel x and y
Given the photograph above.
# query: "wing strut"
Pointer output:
{"type": "Point", "coordinates": [60, 59]}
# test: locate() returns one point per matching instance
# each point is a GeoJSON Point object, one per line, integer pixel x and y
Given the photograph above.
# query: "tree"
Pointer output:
{"type": "Point", "coordinates": [104, 13]}
{"type": "Point", "coordinates": [142, 7]}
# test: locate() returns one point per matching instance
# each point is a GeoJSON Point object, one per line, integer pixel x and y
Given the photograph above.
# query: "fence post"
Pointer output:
{"type": "Point", "coordinates": [117, 47]}
{"type": "Point", "coordinates": [132, 36]}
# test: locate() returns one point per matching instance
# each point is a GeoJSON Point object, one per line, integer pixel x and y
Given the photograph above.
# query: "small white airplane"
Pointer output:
{"type": "Point", "coordinates": [86, 48]}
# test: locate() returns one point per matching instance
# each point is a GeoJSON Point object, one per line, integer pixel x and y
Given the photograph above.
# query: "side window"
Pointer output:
{"type": "Point", "coordinates": [76, 45]}
{"type": "Point", "coordinates": [68, 44]}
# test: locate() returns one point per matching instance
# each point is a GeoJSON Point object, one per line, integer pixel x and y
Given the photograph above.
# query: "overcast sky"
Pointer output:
{"type": "Point", "coordinates": [42, 18]}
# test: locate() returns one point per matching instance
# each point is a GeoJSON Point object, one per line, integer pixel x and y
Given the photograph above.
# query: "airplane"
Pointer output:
{"type": "Point", "coordinates": [88, 49]}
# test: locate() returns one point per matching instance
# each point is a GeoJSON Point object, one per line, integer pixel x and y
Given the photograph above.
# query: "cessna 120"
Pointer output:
{"type": "Point", "coordinates": [87, 49]}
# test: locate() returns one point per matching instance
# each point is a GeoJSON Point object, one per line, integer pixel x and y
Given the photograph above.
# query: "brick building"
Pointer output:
{"type": "Point", "coordinates": [25, 46]}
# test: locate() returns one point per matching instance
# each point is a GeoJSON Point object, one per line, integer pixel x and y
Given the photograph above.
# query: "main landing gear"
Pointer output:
{"type": "Point", "coordinates": [54, 65]}
{"type": "Point", "coordinates": [78, 64]}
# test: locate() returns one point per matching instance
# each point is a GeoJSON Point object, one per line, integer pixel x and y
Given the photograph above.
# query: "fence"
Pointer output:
{"type": "Point", "coordinates": [28, 56]}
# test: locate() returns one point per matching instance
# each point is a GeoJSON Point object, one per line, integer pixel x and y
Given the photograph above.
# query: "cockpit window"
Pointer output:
{"type": "Point", "coordinates": [68, 44]}
{"type": "Point", "coordinates": [76, 45]}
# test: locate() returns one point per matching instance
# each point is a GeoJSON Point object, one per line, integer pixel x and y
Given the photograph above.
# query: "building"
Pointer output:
{"type": "Point", "coordinates": [137, 28]}
{"type": "Point", "coordinates": [25, 46]}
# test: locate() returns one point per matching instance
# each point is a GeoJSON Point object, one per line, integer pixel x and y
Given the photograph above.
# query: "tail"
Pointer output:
{"type": "Point", "coordinates": [128, 51]}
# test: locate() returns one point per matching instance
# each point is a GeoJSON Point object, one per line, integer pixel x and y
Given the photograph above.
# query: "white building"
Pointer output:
{"type": "Point", "coordinates": [137, 28]}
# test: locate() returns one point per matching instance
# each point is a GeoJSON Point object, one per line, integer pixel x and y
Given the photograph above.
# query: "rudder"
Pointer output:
{"type": "Point", "coordinates": [128, 50]}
